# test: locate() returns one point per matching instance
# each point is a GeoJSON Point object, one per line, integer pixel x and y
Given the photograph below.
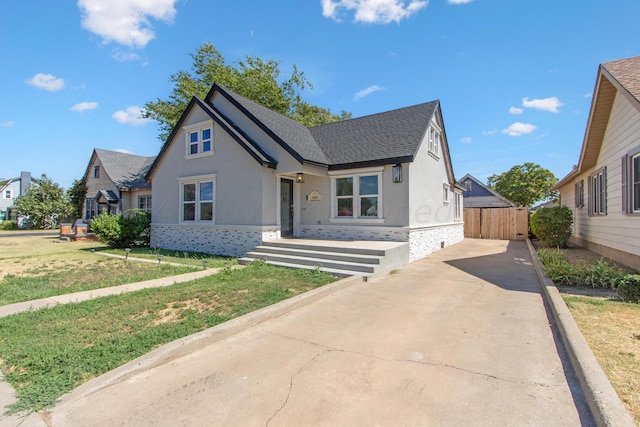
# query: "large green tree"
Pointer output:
{"type": "Point", "coordinates": [525, 184]}
{"type": "Point", "coordinates": [76, 195]}
{"type": "Point", "coordinates": [252, 77]}
{"type": "Point", "coordinates": [44, 204]}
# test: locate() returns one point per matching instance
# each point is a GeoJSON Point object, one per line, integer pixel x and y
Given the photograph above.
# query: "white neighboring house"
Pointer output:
{"type": "Point", "coordinates": [233, 174]}
{"type": "Point", "coordinates": [10, 190]}
{"type": "Point", "coordinates": [603, 190]}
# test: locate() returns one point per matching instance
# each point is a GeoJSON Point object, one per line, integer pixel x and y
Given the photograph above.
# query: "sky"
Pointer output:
{"type": "Point", "coordinates": [514, 78]}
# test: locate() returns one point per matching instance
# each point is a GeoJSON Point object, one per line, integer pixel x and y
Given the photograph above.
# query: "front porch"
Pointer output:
{"type": "Point", "coordinates": [339, 257]}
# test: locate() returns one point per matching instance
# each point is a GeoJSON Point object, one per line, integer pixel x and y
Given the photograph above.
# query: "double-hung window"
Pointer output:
{"type": "Point", "coordinates": [144, 203]}
{"type": "Point", "coordinates": [90, 208]}
{"type": "Point", "coordinates": [197, 197]}
{"type": "Point", "coordinates": [7, 194]}
{"type": "Point", "coordinates": [457, 214]}
{"type": "Point", "coordinates": [598, 192]}
{"type": "Point", "coordinates": [445, 194]}
{"type": "Point", "coordinates": [199, 139]}
{"type": "Point", "coordinates": [579, 194]}
{"type": "Point", "coordinates": [631, 182]}
{"type": "Point", "coordinates": [96, 171]}
{"type": "Point", "coordinates": [434, 141]}
{"type": "Point", "coordinates": [357, 196]}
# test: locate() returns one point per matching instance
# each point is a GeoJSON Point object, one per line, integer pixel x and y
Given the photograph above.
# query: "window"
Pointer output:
{"type": "Point", "coordinates": [90, 208]}
{"type": "Point", "coordinates": [357, 196]}
{"type": "Point", "coordinates": [197, 198]}
{"type": "Point", "coordinates": [445, 194]}
{"type": "Point", "coordinates": [631, 182]}
{"type": "Point", "coordinates": [579, 193]}
{"type": "Point", "coordinates": [467, 185]}
{"type": "Point", "coordinates": [96, 171]}
{"type": "Point", "coordinates": [598, 192]}
{"type": "Point", "coordinates": [434, 141]}
{"type": "Point", "coordinates": [144, 203]}
{"type": "Point", "coordinates": [7, 194]}
{"type": "Point", "coordinates": [457, 214]}
{"type": "Point", "coordinates": [199, 137]}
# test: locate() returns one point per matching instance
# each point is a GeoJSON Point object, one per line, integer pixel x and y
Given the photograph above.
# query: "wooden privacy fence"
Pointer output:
{"type": "Point", "coordinates": [496, 223]}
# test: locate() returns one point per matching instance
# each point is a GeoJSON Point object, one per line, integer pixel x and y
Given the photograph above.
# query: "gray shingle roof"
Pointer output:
{"type": "Point", "coordinates": [127, 171]}
{"type": "Point", "coordinates": [627, 73]}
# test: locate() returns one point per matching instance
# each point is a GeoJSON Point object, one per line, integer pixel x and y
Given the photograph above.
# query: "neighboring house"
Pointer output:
{"type": "Point", "coordinates": [478, 195]}
{"type": "Point", "coordinates": [10, 190]}
{"type": "Point", "coordinates": [603, 190]}
{"type": "Point", "coordinates": [116, 182]}
{"type": "Point", "coordinates": [233, 174]}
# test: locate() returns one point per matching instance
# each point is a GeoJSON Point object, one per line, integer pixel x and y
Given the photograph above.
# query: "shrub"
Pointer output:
{"type": "Point", "coordinates": [8, 225]}
{"type": "Point", "coordinates": [122, 231]}
{"type": "Point", "coordinates": [599, 274]}
{"type": "Point", "coordinates": [629, 288]}
{"type": "Point", "coordinates": [552, 225]}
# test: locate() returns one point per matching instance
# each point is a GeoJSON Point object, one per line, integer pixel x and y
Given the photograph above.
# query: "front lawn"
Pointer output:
{"type": "Point", "coordinates": [196, 259]}
{"type": "Point", "coordinates": [46, 353]}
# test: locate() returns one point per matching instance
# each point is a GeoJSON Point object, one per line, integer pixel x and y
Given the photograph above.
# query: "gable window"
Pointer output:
{"type": "Point", "coordinates": [144, 203]}
{"type": "Point", "coordinates": [579, 194]}
{"type": "Point", "coordinates": [445, 194]}
{"type": "Point", "coordinates": [90, 208]}
{"type": "Point", "coordinates": [631, 182]}
{"type": "Point", "coordinates": [96, 171]}
{"type": "Point", "coordinates": [7, 194]}
{"type": "Point", "coordinates": [467, 185]}
{"type": "Point", "coordinates": [598, 192]}
{"type": "Point", "coordinates": [197, 196]}
{"type": "Point", "coordinates": [199, 139]}
{"type": "Point", "coordinates": [457, 213]}
{"type": "Point", "coordinates": [434, 141]}
{"type": "Point", "coordinates": [357, 196]}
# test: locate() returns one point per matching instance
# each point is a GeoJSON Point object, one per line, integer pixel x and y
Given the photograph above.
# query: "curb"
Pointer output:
{"type": "Point", "coordinates": [191, 343]}
{"type": "Point", "coordinates": [604, 403]}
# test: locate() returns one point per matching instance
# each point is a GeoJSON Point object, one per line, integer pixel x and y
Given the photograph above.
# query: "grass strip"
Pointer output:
{"type": "Point", "coordinates": [46, 353]}
{"type": "Point", "coordinates": [178, 257]}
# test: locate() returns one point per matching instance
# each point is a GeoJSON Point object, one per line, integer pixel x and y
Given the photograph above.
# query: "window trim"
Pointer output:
{"type": "Point", "coordinates": [579, 194]}
{"type": "Point", "coordinates": [96, 171]}
{"type": "Point", "coordinates": [147, 203]}
{"type": "Point", "coordinates": [356, 196]}
{"type": "Point", "coordinates": [445, 194]}
{"type": "Point", "coordinates": [90, 209]}
{"type": "Point", "coordinates": [457, 208]}
{"type": "Point", "coordinates": [435, 140]}
{"type": "Point", "coordinates": [598, 192]}
{"type": "Point", "coordinates": [9, 192]}
{"type": "Point", "coordinates": [628, 190]}
{"type": "Point", "coordinates": [197, 180]}
{"type": "Point", "coordinates": [198, 128]}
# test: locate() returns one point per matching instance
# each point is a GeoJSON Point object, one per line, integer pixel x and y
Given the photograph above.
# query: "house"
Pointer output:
{"type": "Point", "coordinates": [478, 195]}
{"type": "Point", "coordinates": [116, 182]}
{"type": "Point", "coordinates": [233, 174]}
{"type": "Point", "coordinates": [10, 190]}
{"type": "Point", "coordinates": [603, 190]}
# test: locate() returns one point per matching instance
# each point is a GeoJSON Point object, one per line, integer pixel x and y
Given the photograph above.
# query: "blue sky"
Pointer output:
{"type": "Point", "coordinates": [514, 77]}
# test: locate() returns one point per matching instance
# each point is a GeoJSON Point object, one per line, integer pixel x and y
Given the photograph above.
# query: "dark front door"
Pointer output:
{"type": "Point", "coordinates": [286, 207]}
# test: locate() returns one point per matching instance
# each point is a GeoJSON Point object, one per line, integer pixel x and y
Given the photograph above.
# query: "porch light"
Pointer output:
{"type": "Point", "coordinates": [397, 173]}
{"type": "Point", "coordinates": [300, 178]}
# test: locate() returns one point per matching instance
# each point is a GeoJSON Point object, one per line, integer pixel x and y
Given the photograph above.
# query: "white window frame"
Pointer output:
{"type": "Point", "coordinates": [197, 180]}
{"type": "Point", "coordinates": [8, 194]}
{"type": "Point", "coordinates": [198, 129]}
{"type": "Point", "coordinates": [445, 194]}
{"type": "Point", "coordinates": [435, 140]}
{"type": "Point", "coordinates": [634, 200]}
{"type": "Point", "coordinates": [356, 196]}
{"type": "Point", "coordinates": [457, 208]}
{"type": "Point", "coordinates": [579, 194]}
{"type": "Point", "coordinates": [147, 203]}
{"type": "Point", "coordinates": [598, 192]}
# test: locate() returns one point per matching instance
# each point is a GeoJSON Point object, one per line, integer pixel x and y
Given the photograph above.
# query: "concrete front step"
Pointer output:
{"type": "Point", "coordinates": [326, 253]}
{"type": "Point", "coordinates": [315, 260]}
{"type": "Point", "coordinates": [325, 247]}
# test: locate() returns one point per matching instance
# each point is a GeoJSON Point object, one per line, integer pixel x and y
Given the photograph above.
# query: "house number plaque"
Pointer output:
{"type": "Point", "coordinates": [314, 196]}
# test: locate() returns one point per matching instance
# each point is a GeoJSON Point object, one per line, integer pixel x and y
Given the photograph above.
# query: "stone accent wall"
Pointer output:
{"type": "Point", "coordinates": [219, 240]}
{"type": "Point", "coordinates": [354, 232]}
{"type": "Point", "coordinates": [425, 241]}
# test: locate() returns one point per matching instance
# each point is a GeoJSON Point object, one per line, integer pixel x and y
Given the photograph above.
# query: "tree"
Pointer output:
{"type": "Point", "coordinates": [76, 195]}
{"type": "Point", "coordinates": [525, 184]}
{"type": "Point", "coordinates": [43, 204]}
{"type": "Point", "coordinates": [252, 77]}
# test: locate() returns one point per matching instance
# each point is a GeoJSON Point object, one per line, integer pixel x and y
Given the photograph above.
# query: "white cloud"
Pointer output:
{"type": "Point", "coordinates": [519, 129]}
{"type": "Point", "coordinates": [489, 132]}
{"type": "Point", "coordinates": [459, 1]}
{"type": "Point", "coordinates": [47, 82]}
{"type": "Point", "coordinates": [84, 106]}
{"type": "Point", "coordinates": [125, 22]}
{"type": "Point", "coordinates": [373, 11]}
{"type": "Point", "coordinates": [123, 150]}
{"type": "Point", "coordinates": [466, 140]}
{"type": "Point", "coordinates": [131, 116]}
{"type": "Point", "coordinates": [7, 124]}
{"type": "Point", "coordinates": [516, 110]}
{"type": "Point", "coordinates": [366, 92]}
{"type": "Point", "coordinates": [121, 56]}
{"type": "Point", "coordinates": [588, 95]}
{"type": "Point", "coordinates": [547, 104]}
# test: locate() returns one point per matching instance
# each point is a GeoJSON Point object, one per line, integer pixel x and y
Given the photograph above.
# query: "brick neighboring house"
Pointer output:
{"type": "Point", "coordinates": [115, 183]}
{"type": "Point", "coordinates": [10, 190]}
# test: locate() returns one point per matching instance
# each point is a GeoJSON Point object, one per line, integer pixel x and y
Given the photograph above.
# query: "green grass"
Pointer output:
{"type": "Point", "coordinates": [46, 353]}
{"type": "Point", "coordinates": [50, 277]}
{"type": "Point", "coordinates": [178, 257]}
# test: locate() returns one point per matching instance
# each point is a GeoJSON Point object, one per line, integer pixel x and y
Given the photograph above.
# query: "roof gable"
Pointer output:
{"type": "Point", "coordinates": [479, 189]}
{"type": "Point", "coordinates": [126, 171]}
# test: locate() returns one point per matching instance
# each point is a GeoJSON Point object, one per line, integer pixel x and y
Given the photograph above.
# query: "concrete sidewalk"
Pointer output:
{"type": "Point", "coordinates": [459, 338]}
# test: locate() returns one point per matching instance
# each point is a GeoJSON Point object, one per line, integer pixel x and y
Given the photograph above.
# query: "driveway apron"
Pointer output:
{"type": "Point", "coordinates": [460, 338]}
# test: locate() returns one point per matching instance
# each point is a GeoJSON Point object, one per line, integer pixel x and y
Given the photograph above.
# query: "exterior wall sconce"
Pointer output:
{"type": "Point", "coordinates": [300, 178]}
{"type": "Point", "coordinates": [397, 173]}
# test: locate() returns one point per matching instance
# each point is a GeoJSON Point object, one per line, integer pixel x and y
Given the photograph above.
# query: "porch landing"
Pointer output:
{"type": "Point", "coordinates": [339, 257]}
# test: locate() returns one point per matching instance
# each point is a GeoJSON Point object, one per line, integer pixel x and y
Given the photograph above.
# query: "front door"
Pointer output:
{"type": "Point", "coordinates": [286, 207]}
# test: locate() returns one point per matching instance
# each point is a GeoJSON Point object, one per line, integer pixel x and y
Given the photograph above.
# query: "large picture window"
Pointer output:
{"type": "Point", "coordinates": [199, 139]}
{"type": "Point", "coordinates": [197, 197]}
{"type": "Point", "coordinates": [357, 196]}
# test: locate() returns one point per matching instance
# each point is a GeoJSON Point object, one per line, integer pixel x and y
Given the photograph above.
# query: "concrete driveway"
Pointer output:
{"type": "Point", "coordinates": [460, 338]}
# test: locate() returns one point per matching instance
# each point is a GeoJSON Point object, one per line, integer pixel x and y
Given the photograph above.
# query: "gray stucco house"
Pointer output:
{"type": "Point", "coordinates": [233, 174]}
